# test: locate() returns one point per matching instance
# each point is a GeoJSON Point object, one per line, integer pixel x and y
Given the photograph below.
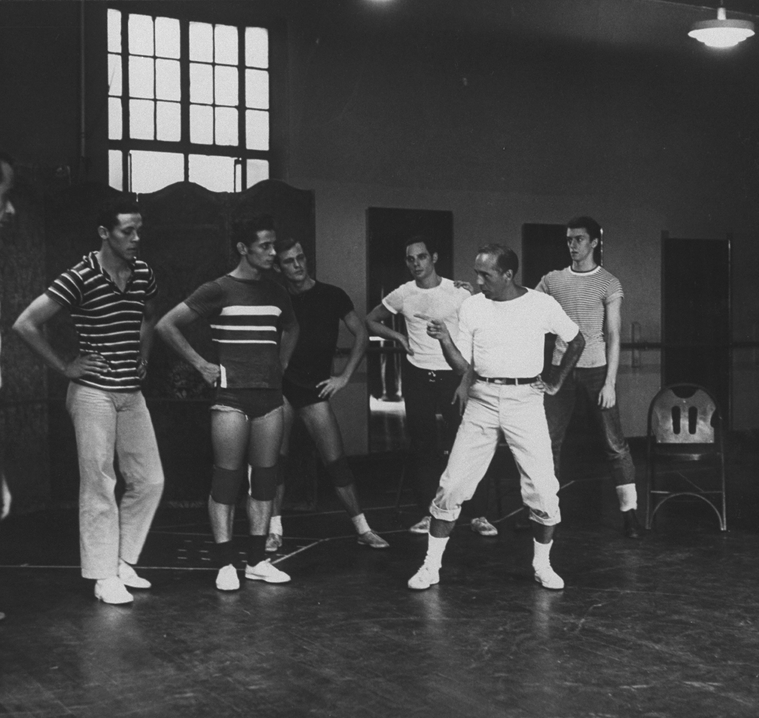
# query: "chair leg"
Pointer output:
{"type": "Point", "coordinates": [723, 516]}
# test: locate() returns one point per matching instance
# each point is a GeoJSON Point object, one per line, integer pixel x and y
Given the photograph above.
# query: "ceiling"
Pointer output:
{"type": "Point", "coordinates": [650, 25]}
{"type": "Point", "coordinates": [737, 7]}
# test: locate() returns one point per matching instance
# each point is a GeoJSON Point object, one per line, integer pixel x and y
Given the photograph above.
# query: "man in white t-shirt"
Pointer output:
{"type": "Point", "coordinates": [592, 297]}
{"type": "Point", "coordinates": [499, 349]}
{"type": "Point", "coordinates": [429, 383]}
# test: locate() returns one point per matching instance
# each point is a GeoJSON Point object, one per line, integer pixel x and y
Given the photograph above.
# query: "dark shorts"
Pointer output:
{"type": "Point", "coordinates": [299, 396]}
{"type": "Point", "coordinates": [254, 403]}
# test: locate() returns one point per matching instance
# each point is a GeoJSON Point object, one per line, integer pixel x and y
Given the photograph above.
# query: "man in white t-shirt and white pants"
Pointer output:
{"type": "Point", "coordinates": [499, 349]}
{"type": "Point", "coordinates": [429, 383]}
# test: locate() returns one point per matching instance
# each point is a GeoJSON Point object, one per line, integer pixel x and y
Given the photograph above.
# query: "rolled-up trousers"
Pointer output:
{"type": "Point", "coordinates": [516, 411]}
{"type": "Point", "coordinates": [559, 409]}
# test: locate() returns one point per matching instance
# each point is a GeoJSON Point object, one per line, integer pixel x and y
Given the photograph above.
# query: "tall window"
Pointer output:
{"type": "Point", "coordinates": [186, 101]}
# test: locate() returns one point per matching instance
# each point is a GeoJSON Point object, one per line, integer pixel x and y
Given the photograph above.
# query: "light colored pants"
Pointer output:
{"type": "Point", "coordinates": [108, 422]}
{"type": "Point", "coordinates": [518, 412]}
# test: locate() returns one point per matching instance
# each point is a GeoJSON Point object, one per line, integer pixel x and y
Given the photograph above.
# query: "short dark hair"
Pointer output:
{"type": "Point", "coordinates": [285, 244]}
{"type": "Point", "coordinates": [246, 230]}
{"type": "Point", "coordinates": [5, 158]}
{"type": "Point", "coordinates": [427, 241]}
{"type": "Point", "coordinates": [505, 257]}
{"type": "Point", "coordinates": [588, 224]}
{"type": "Point", "coordinates": [108, 216]}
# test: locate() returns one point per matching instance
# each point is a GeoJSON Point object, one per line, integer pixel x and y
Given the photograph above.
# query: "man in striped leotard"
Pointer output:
{"type": "Point", "coordinates": [111, 296]}
{"type": "Point", "coordinates": [254, 330]}
{"type": "Point", "coordinates": [592, 297]}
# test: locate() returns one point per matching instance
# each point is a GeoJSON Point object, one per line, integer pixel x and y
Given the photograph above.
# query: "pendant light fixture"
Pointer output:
{"type": "Point", "coordinates": [722, 33]}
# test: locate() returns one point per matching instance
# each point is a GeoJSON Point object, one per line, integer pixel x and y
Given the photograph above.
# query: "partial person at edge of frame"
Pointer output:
{"type": "Point", "coordinates": [7, 212]}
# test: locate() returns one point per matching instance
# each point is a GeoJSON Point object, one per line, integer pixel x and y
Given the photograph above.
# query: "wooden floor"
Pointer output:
{"type": "Point", "coordinates": [663, 626]}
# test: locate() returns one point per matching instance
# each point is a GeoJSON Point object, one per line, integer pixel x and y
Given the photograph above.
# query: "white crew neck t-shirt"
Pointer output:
{"type": "Point", "coordinates": [441, 303]}
{"type": "Point", "coordinates": [507, 339]}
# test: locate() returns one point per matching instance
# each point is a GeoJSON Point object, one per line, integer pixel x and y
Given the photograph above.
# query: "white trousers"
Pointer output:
{"type": "Point", "coordinates": [109, 423]}
{"type": "Point", "coordinates": [518, 412]}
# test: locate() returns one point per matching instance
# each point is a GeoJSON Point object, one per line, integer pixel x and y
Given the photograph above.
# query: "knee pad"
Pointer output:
{"type": "Point", "coordinates": [340, 472]}
{"type": "Point", "coordinates": [281, 470]}
{"type": "Point", "coordinates": [263, 483]}
{"type": "Point", "coordinates": [225, 485]}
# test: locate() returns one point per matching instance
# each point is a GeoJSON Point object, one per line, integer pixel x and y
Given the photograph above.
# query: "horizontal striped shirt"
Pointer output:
{"type": "Point", "coordinates": [583, 296]}
{"type": "Point", "coordinates": [246, 317]}
{"type": "Point", "coordinates": [107, 320]}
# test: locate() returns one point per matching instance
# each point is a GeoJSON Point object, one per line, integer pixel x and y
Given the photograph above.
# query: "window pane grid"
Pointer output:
{"type": "Point", "coordinates": [169, 72]}
{"type": "Point", "coordinates": [226, 86]}
{"type": "Point", "coordinates": [114, 75]}
{"type": "Point", "coordinates": [225, 45]}
{"type": "Point", "coordinates": [141, 77]}
{"type": "Point", "coordinates": [168, 84]}
{"type": "Point", "coordinates": [257, 89]}
{"type": "Point", "coordinates": [167, 38]}
{"type": "Point", "coordinates": [201, 83]}
{"type": "Point", "coordinates": [256, 47]}
{"type": "Point", "coordinates": [114, 31]}
{"type": "Point", "coordinates": [141, 35]}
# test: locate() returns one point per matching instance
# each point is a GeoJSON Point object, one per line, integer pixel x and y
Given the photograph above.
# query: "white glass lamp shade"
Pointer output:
{"type": "Point", "coordinates": [722, 33]}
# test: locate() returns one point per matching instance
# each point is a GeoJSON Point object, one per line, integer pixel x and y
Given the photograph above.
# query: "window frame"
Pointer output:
{"type": "Point", "coordinates": [239, 153]}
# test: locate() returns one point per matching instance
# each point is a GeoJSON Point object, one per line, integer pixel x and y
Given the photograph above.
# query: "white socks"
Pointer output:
{"type": "Point", "coordinates": [275, 525]}
{"type": "Point", "coordinates": [628, 497]}
{"type": "Point", "coordinates": [541, 553]}
{"type": "Point", "coordinates": [360, 523]}
{"type": "Point", "coordinates": [435, 549]}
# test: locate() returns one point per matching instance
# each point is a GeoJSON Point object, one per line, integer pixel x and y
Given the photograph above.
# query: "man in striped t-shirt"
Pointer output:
{"type": "Point", "coordinates": [110, 295]}
{"type": "Point", "coordinates": [254, 331]}
{"type": "Point", "coordinates": [592, 297]}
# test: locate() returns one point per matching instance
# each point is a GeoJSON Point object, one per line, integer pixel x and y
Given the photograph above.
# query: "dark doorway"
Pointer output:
{"type": "Point", "coordinates": [544, 248]}
{"type": "Point", "coordinates": [696, 329]}
{"type": "Point", "coordinates": [387, 231]}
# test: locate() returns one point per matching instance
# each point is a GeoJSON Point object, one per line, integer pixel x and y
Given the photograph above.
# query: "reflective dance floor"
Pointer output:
{"type": "Point", "coordinates": [663, 626]}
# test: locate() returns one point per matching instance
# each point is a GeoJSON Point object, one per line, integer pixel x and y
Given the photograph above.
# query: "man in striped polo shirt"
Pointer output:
{"type": "Point", "coordinates": [592, 297]}
{"type": "Point", "coordinates": [111, 296]}
{"type": "Point", "coordinates": [255, 332]}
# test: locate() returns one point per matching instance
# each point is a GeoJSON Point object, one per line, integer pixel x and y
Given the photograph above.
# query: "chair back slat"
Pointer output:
{"type": "Point", "coordinates": [683, 419]}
